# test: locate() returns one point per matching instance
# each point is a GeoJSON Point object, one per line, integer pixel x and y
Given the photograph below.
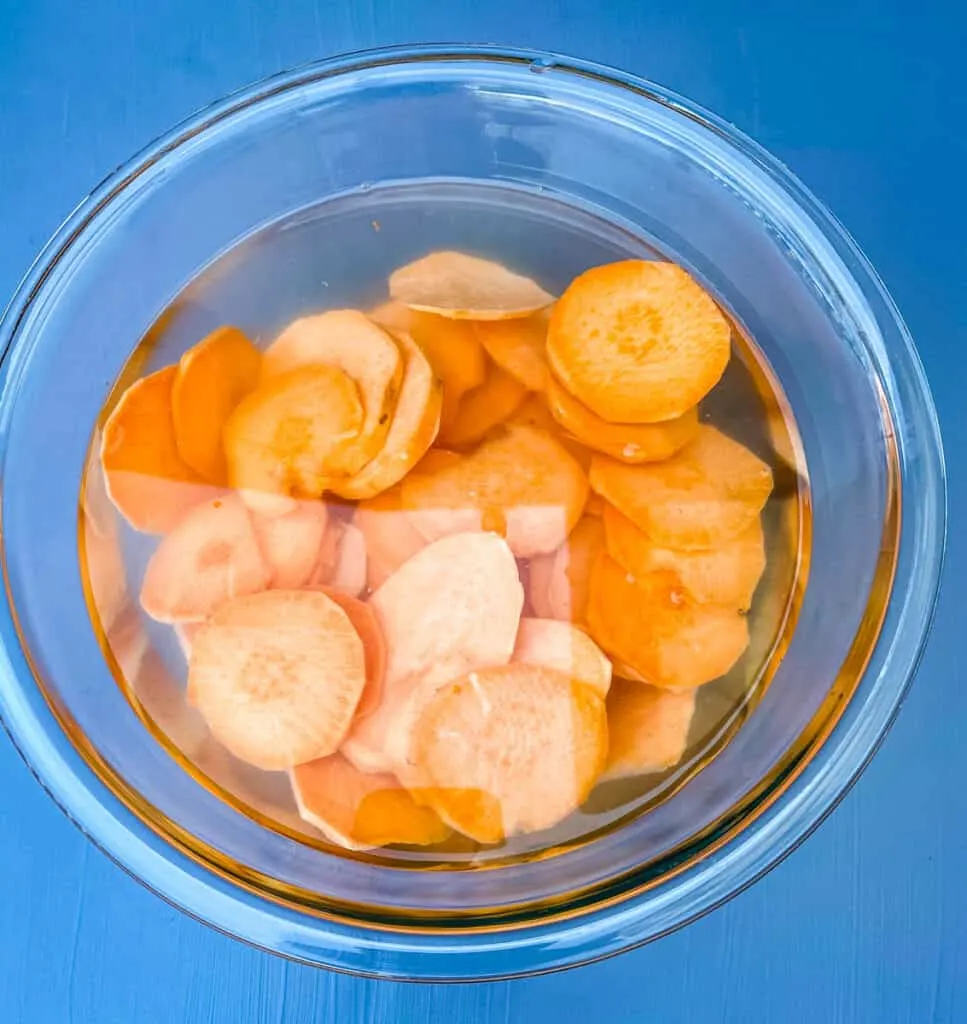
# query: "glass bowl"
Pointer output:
{"type": "Point", "coordinates": [665, 175]}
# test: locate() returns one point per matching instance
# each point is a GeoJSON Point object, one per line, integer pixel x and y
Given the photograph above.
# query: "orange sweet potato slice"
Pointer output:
{"type": "Point", "coordinates": [522, 484]}
{"type": "Point", "coordinates": [484, 408]}
{"type": "Point", "coordinates": [509, 750]}
{"type": "Point", "coordinates": [213, 377]}
{"type": "Point", "coordinates": [727, 575]}
{"type": "Point", "coordinates": [210, 557]}
{"type": "Point", "coordinates": [638, 341]}
{"type": "Point", "coordinates": [412, 430]}
{"type": "Point", "coordinates": [708, 493]}
{"type": "Point", "coordinates": [359, 811]}
{"type": "Point", "coordinates": [627, 442]}
{"type": "Point", "coordinates": [288, 437]}
{"type": "Point", "coordinates": [570, 573]}
{"type": "Point", "coordinates": [391, 538]}
{"type": "Point", "coordinates": [595, 505]}
{"type": "Point", "coordinates": [348, 340]}
{"type": "Point", "coordinates": [518, 348]}
{"type": "Point", "coordinates": [464, 287]}
{"type": "Point", "coordinates": [647, 728]}
{"type": "Point", "coordinates": [654, 627]}
{"type": "Point", "coordinates": [290, 543]}
{"type": "Point", "coordinates": [145, 477]}
{"type": "Point", "coordinates": [562, 646]}
{"type": "Point", "coordinates": [278, 676]}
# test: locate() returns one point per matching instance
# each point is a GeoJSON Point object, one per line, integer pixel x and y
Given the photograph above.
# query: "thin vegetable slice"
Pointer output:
{"type": "Point", "coordinates": [518, 348]}
{"type": "Point", "coordinates": [290, 543]}
{"type": "Point", "coordinates": [484, 408]}
{"type": "Point", "coordinates": [562, 646]}
{"type": "Point", "coordinates": [342, 560]}
{"type": "Point", "coordinates": [569, 576]}
{"type": "Point", "coordinates": [391, 538]}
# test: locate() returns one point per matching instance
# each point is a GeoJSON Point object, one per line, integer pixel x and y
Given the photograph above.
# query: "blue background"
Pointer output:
{"type": "Point", "coordinates": [867, 103]}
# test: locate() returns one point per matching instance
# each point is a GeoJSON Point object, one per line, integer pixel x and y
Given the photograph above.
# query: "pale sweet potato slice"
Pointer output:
{"type": "Point", "coordinates": [727, 575]}
{"type": "Point", "coordinates": [570, 573]}
{"type": "Point", "coordinates": [145, 477]}
{"type": "Point", "coordinates": [708, 493]}
{"type": "Point", "coordinates": [638, 341]}
{"type": "Point", "coordinates": [414, 427]}
{"type": "Point", "coordinates": [210, 557]}
{"type": "Point", "coordinates": [509, 750]}
{"type": "Point", "coordinates": [647, 728]}
{"type": "Point", "coordinates": [359, 811]}
{"type": "Point", "coordinates": [627, 442]}
{"type": "Point", "coordinates": [348, 340]}
{"type": "Point", "coordinates": [561, 645]}
{"type": "Point", "coordinates": [463, 287]}
{"type": "Point", "coordinates": [522, 484]}
{"type": "Point", "coordinates": [278, 676]}
{"type": "Point", "coordinates": [287, 438]}
{"type": "Point", "coordinates": [290, 543]}
{"type": "Point", "coordinates": [518, 348]}
{"type": "Point", "coordinates": [391, 538]}
{"type": "Point", "coordinates": [484, 408]}
{"type": "Point", "coordinates": [213, 377]}
{"type": "Point", "coordinates": [342, 560]}
{"type": "Point", "coordinates": [654, 627]}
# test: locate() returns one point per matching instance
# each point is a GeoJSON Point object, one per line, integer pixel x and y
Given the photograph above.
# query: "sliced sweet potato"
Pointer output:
{"type": "Point", "coordinates": [595, 505]}
{"type": "Point", "coordinates": [341, 562]}
{"type": "Point", "coordinates": [348, 340]}
{"type": "Point", "coordinates": [463, 287]}
{"type": "Point", "coordinates": [210, 557]}
{"type": "Point", "coordinates": [391, 538]}
{"type": "Point", "coordinates": [570, 573]}
{"type": "Point", "coordinates": [145, 477]}
{"type": "Point", "coordinates": [627, 442]}
{"type": "Point", "coordinates": [522, 484]}
{"type": "Point", "coordinates": [539, 571]}
{"type": "Point", "coordinates": [484, 408]}
{"type": "Point", "coordinates": [359, 811]}
{"type": "Point", "coordinates": [708, 493]}
{"type": "Point", "coordinates": [518, 348]}
{"type": "Point", "coordinates": [638, 341]}
{"type": "Point", "coordinates": [647, 728]}
{"type": "Point", "coordinates": [525, 742]}
{"type": "Point", "coordinates": [393, 316]}
{"type": "Point", "coordinates": [563, 646]}
{"type": "Point", "coordinates": [653, 626]}
{"type": "Point", "coordinates": [278, 676]}
{"type": "Point", "coordinates": [414, 427]}
{"type": "Point", "coordinates": [288, 438]}
{"type": "Point", "coordinates": [727, 575]}
{"type": "Point", "coordinates": [185, 635]}
{"type": "Point", "coordinates": [213, 377]}
{"type": "Point", "coordinates": [290, 543]}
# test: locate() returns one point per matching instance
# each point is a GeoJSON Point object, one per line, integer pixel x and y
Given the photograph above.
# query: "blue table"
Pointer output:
{"type": "Point", "coordinates": [866, 101]}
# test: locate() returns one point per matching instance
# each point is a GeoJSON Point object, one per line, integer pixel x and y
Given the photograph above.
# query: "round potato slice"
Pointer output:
{"type": "Point", "coordinates": [647, 728]}
{"type": "Point", "coordinates": [518, 347]}
{"type": "Point", "coordinates": [213, 377]}
{"type": "Point", "coordinates": [348, 340]}
{"type": "Point", "coordinates": [627, 442]}
{"type": "Point", "coordinates": [391, 538]}
{"type": "Point", "coordinates": [651, 625]}
{"type": "Point", "coordinates": [726, 576]}
{"type": "Point", "coordinates": [484, 408]}
{"type": "Point", "coordinates": [464, 287]}
{"type": "Point", "coordinates": [290, 543]}
{"type": "Point", "coordinates": [210, 557]}
{"type": "Point", "coordinates": [278, 676]}
{"type": "Point", "coordinates": [638, 341]}
{"type": "Point", "coordinates": [709, 492]}
{"type": "Point", "coordinates": [509, 750]}
{"type": "Point", "coordinates": [563, 646]}
{"type": "Point", "coordinates": [570, 572]}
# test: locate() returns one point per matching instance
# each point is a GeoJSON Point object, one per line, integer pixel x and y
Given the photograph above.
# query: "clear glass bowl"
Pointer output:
{"type": "Point", "coordinates": [660, 170]}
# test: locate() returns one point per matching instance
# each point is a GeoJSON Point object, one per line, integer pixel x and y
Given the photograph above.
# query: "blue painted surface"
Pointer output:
{"type": "Point", "coordinates": [865, 101]}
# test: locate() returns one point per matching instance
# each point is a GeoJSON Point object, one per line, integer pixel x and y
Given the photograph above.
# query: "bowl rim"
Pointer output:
{"type": "Point", "coordinates": [812, 793]}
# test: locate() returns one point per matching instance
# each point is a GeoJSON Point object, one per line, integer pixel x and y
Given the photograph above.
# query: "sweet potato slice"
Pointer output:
{"type": "Point", "coordinates": [570, 573]}
{"type": "Point", "coordinates": [726, 576]}
{"type": "Point", "coordinates": [359, 811]}
{"type": "Point", "coordinates": [595, 505]}
{"type": "Point", "coordinates": [464, 287]}
{"type": "Point", "coordinates": [562, 646]}
{"type": "Point", "coordinates": [290, 543]}
{"type": "Point", "coordinates": [509, 750]}
{"type": "Point", "coordinates": [342, 560]}
{"type": "Point", "coordinates": [145, 477]}
{"type": "Point", "coordinates": [210, 557]}
{"type": "Point", "coordinates": [484, 408]}
{"type": "Point", "coordinates": [277, 676]}
{"type": "Point", "coordinates": [638, 341]}
{"type": "Point", "coordinates": [412, 430]}
{"type": "Point", "coordinates": [522, 484]}
{"type": "Point", "coordinates": [647, 728]}
{"type": "Point", "coordinates": [348, 340]}
{"type": "Point", "coordinates": [653, 626]}
{"type": "Point", "coordinates": [627, 442]}
{"type": "Point", "coordinates": [539, 571]}
{"type": "Point", "coordinates": [518, 348]}
{"type": "Point", "coordinates": [391, 538]}
{"type": "Point", "coordinates": [288, 438]}
{"type": "Point", "coordinates": [213, 377]}
{"type": "Point", "coordinates": [709, 492]}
